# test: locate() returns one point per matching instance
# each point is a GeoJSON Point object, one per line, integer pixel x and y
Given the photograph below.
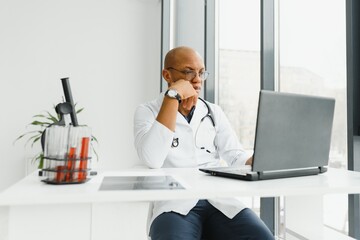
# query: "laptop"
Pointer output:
{"type": "Point", "coordinates": [292, 138]}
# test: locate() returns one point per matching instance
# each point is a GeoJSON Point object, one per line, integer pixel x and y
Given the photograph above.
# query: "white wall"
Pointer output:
{"type": "Point", "coordinates": [110, 50]}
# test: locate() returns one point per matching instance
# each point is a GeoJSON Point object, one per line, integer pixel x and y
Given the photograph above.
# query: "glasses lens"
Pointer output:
{"type": "Point", "coordinates": [190, 75]}
{"type": "Point", "coordinates": [204, 75]}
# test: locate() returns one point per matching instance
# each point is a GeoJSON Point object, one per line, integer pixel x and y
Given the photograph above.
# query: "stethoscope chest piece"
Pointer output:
{"type": "Point", "coordinates": [175, 142]}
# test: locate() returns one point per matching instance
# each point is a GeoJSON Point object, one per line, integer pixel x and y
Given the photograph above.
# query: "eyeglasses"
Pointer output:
{"type": "Point", "coordinates": [190, 74]}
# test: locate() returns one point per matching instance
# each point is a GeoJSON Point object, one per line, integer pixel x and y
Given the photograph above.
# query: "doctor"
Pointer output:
{"type": "Point", "coordinates": [178, 129]}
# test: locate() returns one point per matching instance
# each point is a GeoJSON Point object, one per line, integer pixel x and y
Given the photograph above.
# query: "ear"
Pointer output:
{"type": "Point", "coordinates": [166, 75]}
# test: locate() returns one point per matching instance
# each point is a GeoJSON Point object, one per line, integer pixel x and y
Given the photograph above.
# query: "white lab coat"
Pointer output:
{"type": "Point", "coordinates": [153, 144]}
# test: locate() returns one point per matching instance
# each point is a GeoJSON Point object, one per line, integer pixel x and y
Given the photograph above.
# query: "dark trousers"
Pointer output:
{"type": "Point", "coordinates": [206, 222]}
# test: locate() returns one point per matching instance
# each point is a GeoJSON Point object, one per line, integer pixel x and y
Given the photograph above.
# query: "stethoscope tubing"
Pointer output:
{"type": "Point", "coordinates": [209, 113]}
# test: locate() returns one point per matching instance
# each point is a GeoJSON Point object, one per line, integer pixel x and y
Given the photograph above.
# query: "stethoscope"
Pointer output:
{"type": "Point", "coordinates": [209, 115]}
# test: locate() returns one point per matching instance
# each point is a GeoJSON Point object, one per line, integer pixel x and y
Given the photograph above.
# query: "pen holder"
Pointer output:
{"type": "Point", "coordinates": [66, 153]}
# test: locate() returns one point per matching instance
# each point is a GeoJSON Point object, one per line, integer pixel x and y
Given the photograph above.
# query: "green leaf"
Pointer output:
{"type": "Point", "coordinates": [19, 137]}
{"type": "Point", "coordinates": [39, 115]}
{"type": "Point", "coordinates": [94, 138]}
{"type": "Point", "coordinates": [35, 140]}
{"type": "Point", "coordinates": [25, 134]}
{"type": "Point", "coordinates": [96, 154]}
{"type": "Point", "coordinates": [38, 123]}
{"type": "Point", "coordinates": [35, 158]}
{"type": "Point", "coordinates": [52, 117]}
{"type": "Point", "coordinates": [54, 120]}
{"type": "Point", "coordinates": [41, 161]}
{"type": "Point", "coordinates": [80, 110]}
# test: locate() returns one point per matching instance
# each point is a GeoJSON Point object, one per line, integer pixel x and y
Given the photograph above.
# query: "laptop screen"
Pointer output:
{"type": "Point", "coordinates": [292, 131]}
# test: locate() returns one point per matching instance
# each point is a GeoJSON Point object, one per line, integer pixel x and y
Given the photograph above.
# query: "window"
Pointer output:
{"type": "Point", "coordinates": [239, 65]}
{"type": "Point", "coordinates": [313, 61]}
{"type": "Point", "coordinates": [239, 70]}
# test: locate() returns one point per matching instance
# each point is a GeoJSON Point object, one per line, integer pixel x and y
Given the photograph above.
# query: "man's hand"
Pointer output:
{"type": "Point", "coordinates": [188, 103]}
{"type": "Point", "coordinates": [187, 92]}
{"type": "Point", "coordinates": [184, 88]}
{"type": "Point", "coordinates": [170, 107]}
{"type": "Point", "coordinates": [249, 161]}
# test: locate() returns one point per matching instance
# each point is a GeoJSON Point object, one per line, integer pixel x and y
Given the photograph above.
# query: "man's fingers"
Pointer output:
{"type": "Point", "coordinates": [184, 88]}
{"type": "Point", "coordinates": [189, 102]}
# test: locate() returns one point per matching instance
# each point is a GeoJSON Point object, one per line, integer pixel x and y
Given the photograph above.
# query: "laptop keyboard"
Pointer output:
{"type": "Point", "coordinates": [243, 170]}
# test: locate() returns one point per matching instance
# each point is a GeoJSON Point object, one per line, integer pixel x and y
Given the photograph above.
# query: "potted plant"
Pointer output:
{"type": "Point", "coordinates": [38, 125]}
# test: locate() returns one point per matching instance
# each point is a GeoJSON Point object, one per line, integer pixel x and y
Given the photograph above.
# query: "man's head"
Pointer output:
{"type": "Point", "coordinates": [184, 63]}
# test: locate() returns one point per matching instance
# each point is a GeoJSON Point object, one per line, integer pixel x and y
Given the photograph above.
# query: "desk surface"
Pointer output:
{"type": "Point", "coordinates": [198, 185]}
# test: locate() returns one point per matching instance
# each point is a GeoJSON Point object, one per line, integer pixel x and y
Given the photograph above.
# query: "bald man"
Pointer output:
{"type": "Point", "coordinates": [180, 130]}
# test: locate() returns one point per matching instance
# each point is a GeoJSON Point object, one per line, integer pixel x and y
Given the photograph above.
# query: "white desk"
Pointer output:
{"type": "Point", "coordinates": [82, 212]}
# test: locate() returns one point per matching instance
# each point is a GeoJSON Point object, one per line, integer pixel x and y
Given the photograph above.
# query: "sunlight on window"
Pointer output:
{"type": "Point", "coordinates": [312, 61]}
{"type": "Point", "coordinates": [239, 65]}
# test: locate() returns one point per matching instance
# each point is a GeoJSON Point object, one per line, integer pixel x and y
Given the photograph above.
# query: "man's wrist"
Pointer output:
{"type": "Point", "coordinates": [173, 93]}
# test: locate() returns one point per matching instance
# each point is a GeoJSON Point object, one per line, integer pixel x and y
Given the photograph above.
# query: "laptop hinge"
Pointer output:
{"type": "Point", "coordinates": [290, 173]}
